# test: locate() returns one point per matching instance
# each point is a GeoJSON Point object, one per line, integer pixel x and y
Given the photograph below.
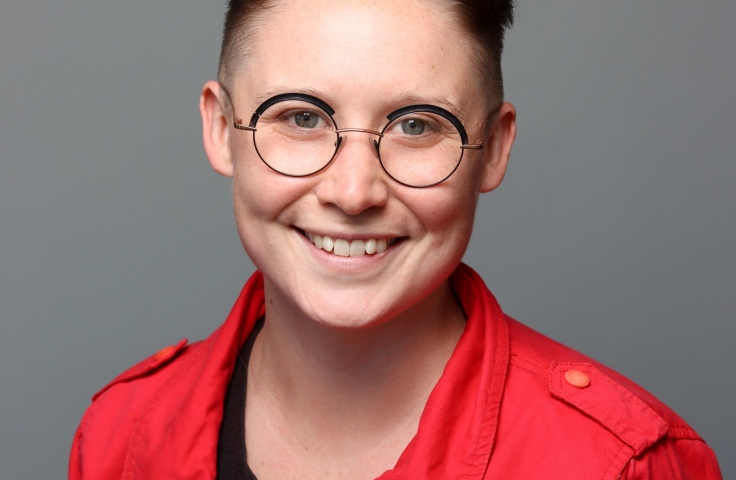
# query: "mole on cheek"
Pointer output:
{"type": "Point", "coordinates": [270, 300]}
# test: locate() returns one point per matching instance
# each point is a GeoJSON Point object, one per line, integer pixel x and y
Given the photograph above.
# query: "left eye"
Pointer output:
{"type": "Point", "coordinates": [306, 119]}
{"type": "Point", "coordinates": [412, 126]}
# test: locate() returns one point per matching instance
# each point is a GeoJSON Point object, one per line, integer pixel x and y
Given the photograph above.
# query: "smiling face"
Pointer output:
{"type": "Point", "coordinates": [386, 248]}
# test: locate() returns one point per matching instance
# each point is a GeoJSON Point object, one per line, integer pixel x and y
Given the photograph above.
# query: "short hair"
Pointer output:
{"type": "Point", "coordinates": [485, 21]}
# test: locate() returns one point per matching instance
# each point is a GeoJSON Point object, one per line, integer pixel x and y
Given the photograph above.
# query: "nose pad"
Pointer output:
{"type": "Point", "coordinates": [342, 140]}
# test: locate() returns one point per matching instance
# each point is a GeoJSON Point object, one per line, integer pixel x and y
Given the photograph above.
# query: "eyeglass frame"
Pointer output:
{"type": "Point", "coordinates": [322, 105]}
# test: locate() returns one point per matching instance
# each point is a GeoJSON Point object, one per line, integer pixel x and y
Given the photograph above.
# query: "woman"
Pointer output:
{"type": "Point", "coordinates": [358, 137]}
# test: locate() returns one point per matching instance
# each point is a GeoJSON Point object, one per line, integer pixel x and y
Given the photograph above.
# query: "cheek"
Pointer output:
{"type": "Point", "coordinates": [450, 206]}
{"type": "Point", "coordinates": [260, 199]}
{"type": "Point", "coordinates": [259, 193]}
{"type": "Point", "coordinates": [446, 213]}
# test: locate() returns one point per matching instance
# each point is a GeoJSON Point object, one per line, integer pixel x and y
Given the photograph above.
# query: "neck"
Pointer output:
{"type": "Point", "coordinates": [353, 385]}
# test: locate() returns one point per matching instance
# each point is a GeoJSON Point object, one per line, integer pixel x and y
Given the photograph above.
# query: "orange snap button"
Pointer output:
{"type": "Point", "coordinates": [577, 379]}
{"type": "Point", "coordinates": [164, 352]}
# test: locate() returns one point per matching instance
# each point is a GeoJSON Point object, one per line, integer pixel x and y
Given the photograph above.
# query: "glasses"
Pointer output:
{"type": "Point", "coordinates": [296, 135]}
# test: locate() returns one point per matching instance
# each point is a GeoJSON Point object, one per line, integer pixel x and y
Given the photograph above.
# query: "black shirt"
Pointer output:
{"type": "Point", "coordinates": [231, 454]}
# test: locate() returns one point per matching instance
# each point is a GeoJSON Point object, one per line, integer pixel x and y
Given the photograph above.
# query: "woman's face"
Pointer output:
{"type": "Point", "coordinates": [365, 59]}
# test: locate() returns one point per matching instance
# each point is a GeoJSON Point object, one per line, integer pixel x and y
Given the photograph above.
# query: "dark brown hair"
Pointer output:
{"type": "Point", "coordinates": [485, 21]}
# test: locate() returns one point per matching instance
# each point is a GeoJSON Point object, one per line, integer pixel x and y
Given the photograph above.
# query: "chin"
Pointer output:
{"type": "Point", "coordinates": [345, 315]}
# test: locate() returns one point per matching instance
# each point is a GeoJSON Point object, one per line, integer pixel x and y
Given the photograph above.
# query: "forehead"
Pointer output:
{"type": "Point", "coordinates": [359, 53]}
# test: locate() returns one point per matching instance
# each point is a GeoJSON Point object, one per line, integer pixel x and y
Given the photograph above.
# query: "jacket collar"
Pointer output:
{"type": "Point", "coordinates": [458, 426]}
{"type": "Point", "coordinates": [456, 431]}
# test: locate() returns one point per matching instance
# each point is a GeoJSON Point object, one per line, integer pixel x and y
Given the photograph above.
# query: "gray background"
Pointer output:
{"type": "Point", "coordinates": [614, 231]}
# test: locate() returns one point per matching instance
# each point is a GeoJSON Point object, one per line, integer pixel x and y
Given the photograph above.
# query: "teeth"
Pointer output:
{"type": "Point", "coordinates": [342, 247]}
{"type": "Point", "coordinates": [356, 248]}
{"type": "Point", "coordinates": [328, 244]}
{"type": "Point", "coordinates": [381, 246]}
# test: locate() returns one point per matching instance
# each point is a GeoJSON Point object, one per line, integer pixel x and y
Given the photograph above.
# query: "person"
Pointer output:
{"type": "Point", "coordinates": [358, 136]}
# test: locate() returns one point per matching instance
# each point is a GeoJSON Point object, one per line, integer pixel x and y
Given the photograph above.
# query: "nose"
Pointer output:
{"type": "Point", "coordinates": [354, 181]}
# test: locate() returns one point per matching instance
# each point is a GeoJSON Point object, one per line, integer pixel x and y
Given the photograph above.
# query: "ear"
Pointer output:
{"type": "Point", "coordinates": [501, 136]}
{"type": "Point", "coordinates": [214, 108]}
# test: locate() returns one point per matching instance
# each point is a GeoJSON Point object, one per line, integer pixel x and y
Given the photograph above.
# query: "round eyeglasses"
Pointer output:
{"type": "Point", "coordinates": [296, 135]}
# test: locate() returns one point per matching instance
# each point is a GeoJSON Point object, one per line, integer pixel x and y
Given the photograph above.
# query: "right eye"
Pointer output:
{"type": "Point", "coordinates": [306, 119]}
{"type": "Point", "coordinates": [412, 126]}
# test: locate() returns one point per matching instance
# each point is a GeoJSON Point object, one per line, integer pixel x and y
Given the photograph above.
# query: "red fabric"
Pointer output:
{"type": "Point", "coordinates": [502, 409]}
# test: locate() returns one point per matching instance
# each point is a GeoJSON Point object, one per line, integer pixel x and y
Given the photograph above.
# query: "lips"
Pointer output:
{"type": "Point", "coordinates": [350, 248]}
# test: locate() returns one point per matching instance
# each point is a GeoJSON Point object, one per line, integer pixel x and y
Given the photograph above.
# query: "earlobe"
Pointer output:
{"type": "Point", "coordinates": [215, 128]}
{"type": "Point", "coordinates": [501, 136]}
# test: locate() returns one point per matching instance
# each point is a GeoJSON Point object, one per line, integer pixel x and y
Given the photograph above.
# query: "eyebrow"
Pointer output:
{"type": "Point", "coordinates": [389, 104]}
{"type": "Point", "coordinates": [279, 89]}
{"type": "Point", "coordinates": [411, 98]}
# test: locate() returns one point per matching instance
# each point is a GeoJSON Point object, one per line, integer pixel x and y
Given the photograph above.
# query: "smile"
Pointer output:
{"type": "Point", "coordinates": [347, 248]}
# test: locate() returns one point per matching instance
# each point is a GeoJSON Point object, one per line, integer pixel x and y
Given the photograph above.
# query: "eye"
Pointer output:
{"type": "Point", "coordinates": [412, 126]}
{"type": "Point", "coordinates": [306, 119]}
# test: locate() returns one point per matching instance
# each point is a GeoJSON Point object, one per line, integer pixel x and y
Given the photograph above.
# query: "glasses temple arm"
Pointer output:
{"type": "Point", "coordinates": [239, 125]}
{"type": "Point", "coordinates": [472, 146]}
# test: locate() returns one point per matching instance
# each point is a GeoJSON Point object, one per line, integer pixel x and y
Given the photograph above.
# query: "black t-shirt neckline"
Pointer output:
{"type": "Point", "coordinates": [232, 461]}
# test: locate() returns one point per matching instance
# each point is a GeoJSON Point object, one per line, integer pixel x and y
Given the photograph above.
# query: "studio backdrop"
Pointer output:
{"type": "Point", "coordinates": [614, 231]}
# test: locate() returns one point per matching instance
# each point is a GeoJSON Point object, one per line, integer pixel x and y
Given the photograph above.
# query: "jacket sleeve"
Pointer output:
{"type": "Point", "coordinates": [675, 459]}
{"type": "Point", "coordinates": [75, 463]}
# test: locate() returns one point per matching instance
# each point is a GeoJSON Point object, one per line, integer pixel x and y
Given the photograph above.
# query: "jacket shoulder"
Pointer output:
{"type": "Point", "coordinates": [533, 350]}
{"type": "Point", "coordinates": [602, 412]}
{"type": "Point", "coordinates": [101, 441]}
{"type": "Point", "coordinates": [146, 366]}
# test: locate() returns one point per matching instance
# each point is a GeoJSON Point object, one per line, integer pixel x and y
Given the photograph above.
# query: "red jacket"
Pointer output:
{"type": "Point", "coordinates": [511, 404]}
